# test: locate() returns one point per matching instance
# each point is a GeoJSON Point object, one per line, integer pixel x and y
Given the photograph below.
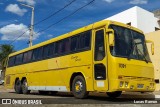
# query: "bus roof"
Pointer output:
{"type": "Point", "coordinates": [85, 28]}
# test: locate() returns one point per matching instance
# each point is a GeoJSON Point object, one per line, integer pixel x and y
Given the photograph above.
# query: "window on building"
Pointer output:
{"type": "Point", "coordinates": [157, 28]}
{"type": "Point", "coordinates": [129, 23]}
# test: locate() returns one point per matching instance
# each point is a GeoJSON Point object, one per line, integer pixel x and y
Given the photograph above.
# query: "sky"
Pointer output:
{"type": "Point", "coordinates": [15, 18]}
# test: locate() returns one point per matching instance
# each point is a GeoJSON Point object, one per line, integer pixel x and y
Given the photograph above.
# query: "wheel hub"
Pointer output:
{"type": "Point", "coordinates": [78, 86]}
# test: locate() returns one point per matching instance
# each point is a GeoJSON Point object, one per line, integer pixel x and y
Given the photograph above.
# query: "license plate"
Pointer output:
{"type": "Point", "coordinates": [140, 85]}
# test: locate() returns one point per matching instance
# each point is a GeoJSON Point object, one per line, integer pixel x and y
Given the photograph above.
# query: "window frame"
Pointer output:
{"type": "Point", "coordinates": [104, 52]}
{"type": "Point", "coordinates": [30, 53]}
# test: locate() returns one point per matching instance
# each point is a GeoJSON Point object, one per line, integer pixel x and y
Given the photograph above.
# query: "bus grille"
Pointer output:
{"type": "Point", "coordinates": [136, 78]}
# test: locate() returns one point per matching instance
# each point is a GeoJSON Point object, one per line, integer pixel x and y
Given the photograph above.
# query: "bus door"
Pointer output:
{"type": "Point", "coordinates": [100, 61]}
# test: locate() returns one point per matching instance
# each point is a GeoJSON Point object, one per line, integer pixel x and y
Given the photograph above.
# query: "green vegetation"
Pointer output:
{"type": "Point", "coordinates": [5, 50]}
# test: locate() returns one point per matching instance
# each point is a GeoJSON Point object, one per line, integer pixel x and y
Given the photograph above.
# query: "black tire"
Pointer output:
{"type": "Point", "coordinates": [18, 87]}
{"type": "Point", "coordinates": [25, 87]}
{"type": "Point", "coordinates": [114, 94]}
{"type": "Point", "coordinates": [80, 84]}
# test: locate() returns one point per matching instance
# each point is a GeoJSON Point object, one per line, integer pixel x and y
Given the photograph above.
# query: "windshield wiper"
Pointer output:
{"type": "Point", "coordinates": [142, 55]}
{"type": "Point", "coordinates": [135, 46]}
{"type": "Point", "coordinates": [132, 50]}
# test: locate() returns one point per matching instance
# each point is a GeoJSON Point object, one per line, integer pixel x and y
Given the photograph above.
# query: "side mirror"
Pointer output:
{"type": "Point", "coordinates": [152, 46]}
{"type": "Point", "coordinates": [111, 37]}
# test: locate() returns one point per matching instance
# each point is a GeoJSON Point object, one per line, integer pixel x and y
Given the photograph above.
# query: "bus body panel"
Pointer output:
{"type": "Point", "coordinates": [55, 73]}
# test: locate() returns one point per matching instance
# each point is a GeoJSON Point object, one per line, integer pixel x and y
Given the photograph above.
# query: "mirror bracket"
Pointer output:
{"type": "Point", "coordinates": [111, 37]}
{"type": "Point", "coordinates": [152, 46]}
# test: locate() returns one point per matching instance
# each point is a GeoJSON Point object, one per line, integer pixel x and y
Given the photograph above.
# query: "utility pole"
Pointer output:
{"type": "Point", "coordinates": [32, 24]}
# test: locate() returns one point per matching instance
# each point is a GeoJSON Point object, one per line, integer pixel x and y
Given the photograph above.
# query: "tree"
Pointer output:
{"type": "Point", "coordinates": [5, 50]}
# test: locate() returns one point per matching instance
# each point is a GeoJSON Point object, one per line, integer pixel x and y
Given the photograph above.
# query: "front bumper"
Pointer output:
{"type": "Point", "coordinates": [131, 85]}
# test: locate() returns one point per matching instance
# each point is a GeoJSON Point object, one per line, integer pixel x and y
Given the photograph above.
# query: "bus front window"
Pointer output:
{"type": "Point", "coordinates": [129, 44]}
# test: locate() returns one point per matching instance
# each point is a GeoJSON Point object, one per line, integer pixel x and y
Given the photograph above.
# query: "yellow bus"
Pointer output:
{"type": "Point", "coordinates": [106, 56]}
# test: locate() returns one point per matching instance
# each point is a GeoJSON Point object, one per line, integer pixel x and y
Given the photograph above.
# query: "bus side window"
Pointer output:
{"type": "Point", "coordinates": [11, 61]}
{"type": "Point", "coordinates": [29, 56]}
{"type": "Point", "coordinates": [25, 57]}
{"type": "Point", "coordinates": [19, 59]}
{"type": "Point", "coordinates": [56, 49]}
{"type": "Point", "coordinates": [40, 52]}
{"type": "Point", "coordinates": [63, 46]}
{"type": "Point", "coordinates": [74, 41]}
{"type": "Point", "coordinates": [35, 54]}
{"type": "Point", "coordinates": [45, 51]}
{"type": "Point", "coordinates": [66, 46]}
{"type": "Point", "coordinates": [51, 50]}
{"type": "Point", "coordinates": [60, 47]}
{"type": "Point", "coordinates": [84, 40]}
{"type": "Point", "coordinates": [81, 41]}
{"type": "Point", "coordinates": [87, 40]}
{"type": "Point", "coordinates": [99, 52]}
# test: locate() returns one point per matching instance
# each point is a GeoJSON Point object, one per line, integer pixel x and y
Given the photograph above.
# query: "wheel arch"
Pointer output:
{"type": "Point", "coordinates": [73, 76]}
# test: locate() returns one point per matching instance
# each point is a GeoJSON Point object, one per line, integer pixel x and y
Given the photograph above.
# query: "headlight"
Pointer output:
{"type": "Point", "coordinates": [152, 85]}
{"type": "Point", "coordinates": [131, 87]}
{"type": "Point", "coordinates": [121, 84]}
{"type": "Point", "coordinates": [126, 84]}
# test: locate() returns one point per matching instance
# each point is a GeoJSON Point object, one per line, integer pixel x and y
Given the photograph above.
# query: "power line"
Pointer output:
{"type": "Point", "coordinates": [66, 17]}
{"type": "Point", "coordinates": [18, 37]}
{"type": "Point", "coordinates": [23, 44]}
{"type": "Point", "coordinates": [44, 19]}
{"type": "Point", "coordinates": [57, 21]}
{"type": "Point", "coordinates": [55, 13]}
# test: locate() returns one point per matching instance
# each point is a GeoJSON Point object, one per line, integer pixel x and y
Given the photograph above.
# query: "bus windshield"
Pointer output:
{"type": "Point", "coordinates": [129, 44]}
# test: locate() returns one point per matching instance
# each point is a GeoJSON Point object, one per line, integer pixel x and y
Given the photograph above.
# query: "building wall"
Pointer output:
{"type": "Point", "coordinates": [155, 37]}
{"type": "Point", "coordinates": [126, 16]}
{"type": "Point", "coordinates": [146, 20]}
{"type": "Point", "coordinates": [139, 18]}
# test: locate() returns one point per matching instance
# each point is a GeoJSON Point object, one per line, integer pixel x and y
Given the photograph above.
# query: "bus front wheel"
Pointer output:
{"type": "Point", "coordinates": [79, 87]}
{"type": "Point", "coordinates": [18, 87]}
{"type": "Point", "coordinates": [25, 87]}
{"type": "Point", "coordinates": [114, 94]}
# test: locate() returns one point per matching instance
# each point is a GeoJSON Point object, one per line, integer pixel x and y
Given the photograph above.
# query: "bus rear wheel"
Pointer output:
{"type": "Point", "coordinates": [25, 87]}
{"type": "Point", "coordinates": [114, 94]}
{"type": "Point", "coordinates": [79, 87]}
{"type": "Point", "coordinates": [18, 87]}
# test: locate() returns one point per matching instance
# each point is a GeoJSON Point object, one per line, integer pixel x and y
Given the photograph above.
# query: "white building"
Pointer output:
{"type": "Point", "coordinates": [138, 18]}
